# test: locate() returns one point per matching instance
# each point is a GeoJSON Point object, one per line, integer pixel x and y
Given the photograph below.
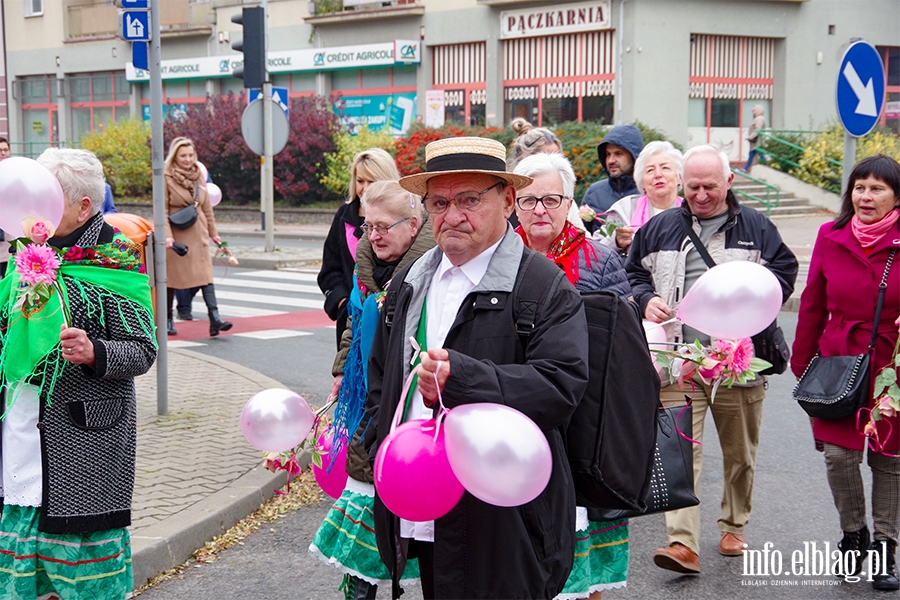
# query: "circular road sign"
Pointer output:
{"type": "Point", "coordinates": [860, 88]}
{"type": "Point", "coordinates": [252, 127]}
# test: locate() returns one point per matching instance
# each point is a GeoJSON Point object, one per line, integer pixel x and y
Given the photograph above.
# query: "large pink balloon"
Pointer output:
{"type": "Point", "coordinates": [412, 474]}
{"type": "Point", "coordinates": [28, 189]}
{"type": "Point", "coordinates": [215, 193]}
{"type": "Point", "coordinates": [276, 420]}
{"type": "Point", "coordinates": [732, 300]}
{"type": "Point", "coordinates": [499, 454]}
{"type": "Point", "coordinates": [331, 483]}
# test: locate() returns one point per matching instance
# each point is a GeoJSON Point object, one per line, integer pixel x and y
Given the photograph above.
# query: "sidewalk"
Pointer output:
{"type": "Point", "coordinates": [196, 475]}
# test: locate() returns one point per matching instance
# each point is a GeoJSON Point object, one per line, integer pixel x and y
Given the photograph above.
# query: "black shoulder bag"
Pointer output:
{"type": "Point", "coordinates": [769, 344]}
{"type": "Point", "coordinates": [835, 387]}
{"type": "Point", "coordinates": [187, 216]}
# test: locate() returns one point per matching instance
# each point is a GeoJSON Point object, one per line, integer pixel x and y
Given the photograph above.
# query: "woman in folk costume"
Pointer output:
{"type": "Point", "coordinates": [185, 187]}
{"type": "Point", "coordinates": [601, 547]}
{"type": "Point", "coordinates": [397, 233]}
{"type": "Point", "coordinates": [69, 415]}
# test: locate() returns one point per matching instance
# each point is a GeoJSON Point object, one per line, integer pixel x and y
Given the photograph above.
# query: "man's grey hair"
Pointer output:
{"type": "Point", "coordinates": [657, 147]}
{"type": "Point", "coordinates": [79, 174]}
{"type": "Point", "coordinates": [710, 149]}
{"type": "Point", "coordinates": [541, 163]}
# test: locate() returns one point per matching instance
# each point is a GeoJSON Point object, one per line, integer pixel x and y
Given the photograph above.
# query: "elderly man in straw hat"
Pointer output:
{"type": "Point", "coordinates": [457, 302]}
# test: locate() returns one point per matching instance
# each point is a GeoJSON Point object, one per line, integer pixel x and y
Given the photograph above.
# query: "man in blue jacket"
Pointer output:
{"type": "Point", "coordinates": [617, 151]}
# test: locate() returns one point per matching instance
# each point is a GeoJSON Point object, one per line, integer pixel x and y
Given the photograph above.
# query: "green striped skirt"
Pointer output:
{"type": "Point", "coordinates": [346, 538]}
{"type": "Point", "coordinates": [601, 559]}
{"type": "Point", "coordinates": [35, 564]}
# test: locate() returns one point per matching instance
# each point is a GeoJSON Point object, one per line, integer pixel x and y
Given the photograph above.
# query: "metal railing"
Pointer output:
{"type": "Point", "coordinates": [789, 153]}
{"type": "Point", "coordinates": [772, 197]}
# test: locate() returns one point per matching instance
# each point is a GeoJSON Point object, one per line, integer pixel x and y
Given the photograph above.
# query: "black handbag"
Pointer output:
{"type": "Point", "coordinates": [672, 478]}
{"type": "Point", "coordinates": [835, 387]}
{"type": "Point", "coordinates": [187, 216]}
{"type": "Point", "coordinates": [769, 344]}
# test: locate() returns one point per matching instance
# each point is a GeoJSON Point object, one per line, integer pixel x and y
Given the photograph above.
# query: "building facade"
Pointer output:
{"type": "Point", "coordinates": [691, 68]}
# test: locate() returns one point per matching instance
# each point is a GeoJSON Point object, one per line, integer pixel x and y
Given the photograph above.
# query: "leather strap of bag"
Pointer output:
{"type": "Point", "coordinates": [698, 245]}
{"type": "Point", "coordinates": [882, 288]}
{"type": "Point", "coordinates": [196, 193]}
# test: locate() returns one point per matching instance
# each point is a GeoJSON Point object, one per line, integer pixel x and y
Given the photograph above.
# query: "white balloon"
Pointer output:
{"type": "Point", "coordinates": [499, 455]}
{"type": "Point", "coordinates": [732, 300]}
{"type": "Point", "coordinates": [215, 193]}
{"type": "Point", "coordinates": [276, 420]}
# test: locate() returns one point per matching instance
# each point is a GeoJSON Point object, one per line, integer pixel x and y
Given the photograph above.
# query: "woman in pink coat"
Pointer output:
{"type": "Point", "coordinates": [837, 310]}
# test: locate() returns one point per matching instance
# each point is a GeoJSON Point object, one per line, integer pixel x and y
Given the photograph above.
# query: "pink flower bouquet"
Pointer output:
{"type": "Point", "coordinates": [887, 397]}
{"type": "Point", "coordinates": [725, 361]}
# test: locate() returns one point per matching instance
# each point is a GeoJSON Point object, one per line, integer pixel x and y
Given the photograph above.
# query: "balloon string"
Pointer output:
{"type": "Point", "coordinates": [443, 412]}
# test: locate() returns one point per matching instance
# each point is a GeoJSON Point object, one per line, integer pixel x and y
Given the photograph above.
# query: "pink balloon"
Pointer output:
{"type": "Point", "coordinates": [28, 189]}
{"type": "Point", "coordinates": [204, 173]}
{"type": "Point", "coordinates": [215, 193]}
{"type": "Point", "coordinates": [331, 483]}
{"type": "Point", "coordinates": [412, 474]}
{"type": "Point", "coordinates": [732, 300]}
{"type": "Point", "coordinates": [500, 455]}
{"type": "Point", "coordinates": [276, 420]}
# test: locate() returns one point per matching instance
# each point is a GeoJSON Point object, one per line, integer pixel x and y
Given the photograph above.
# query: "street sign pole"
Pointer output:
{"type": "Point", "coordinates": [267, 172]}
{"type": "Point", "coordinates": [849, 160]}
{"type": "Point", "coordinates": [159, 213]}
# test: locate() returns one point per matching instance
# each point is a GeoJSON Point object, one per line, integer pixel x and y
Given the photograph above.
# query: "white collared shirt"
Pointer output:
{"type": "Point", "coordinates": [449, 287]}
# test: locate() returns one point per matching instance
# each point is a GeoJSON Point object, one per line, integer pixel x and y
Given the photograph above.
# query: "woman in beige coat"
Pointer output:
{"type": "Point", "coordinates": [193, 268]}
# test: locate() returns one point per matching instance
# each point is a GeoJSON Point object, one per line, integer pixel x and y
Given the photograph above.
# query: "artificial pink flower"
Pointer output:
{"type": "Point", "coordinates": [885, 407]}
{"type": "Point", "coordinates": [711, 369]}
{"type": "Point", "coordinates": [737, 354]}
{"type": "Point", "coordinates": [38, 230]}
{"type": "Point", "coordinates": [37, 264]}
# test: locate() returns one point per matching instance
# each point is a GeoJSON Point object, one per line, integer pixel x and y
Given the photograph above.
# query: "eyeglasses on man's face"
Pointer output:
{"type": "Point", "coordinates": [464, 201]}
{"type": "Point", "coordinates": [550, 201]}
{"type": "Point", "coordinates": [369, 229]}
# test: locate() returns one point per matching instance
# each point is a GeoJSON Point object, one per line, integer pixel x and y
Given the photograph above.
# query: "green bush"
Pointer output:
{"type": "Point", "coordinates": [781, 156]}
{"type": "Point", "coordinates": [124, 150]}
{"type": "Point", "coordinates": [337, 177]}
{"type": "Point", "coordinates": [817, 170]}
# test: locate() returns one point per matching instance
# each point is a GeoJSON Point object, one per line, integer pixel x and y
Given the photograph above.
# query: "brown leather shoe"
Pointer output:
{"type": "Point", "coordinates": [731, 544]}
{"type": "Point", "coordinates": [677, 557]}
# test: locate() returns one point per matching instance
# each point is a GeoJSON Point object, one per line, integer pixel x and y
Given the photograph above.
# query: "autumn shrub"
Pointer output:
{"type": "Point", "coordinates": [215, 129]}
{"type": "Point", "coordinates": [816, 168]}
{"type": "Point", "coordinates": [336, 178]}
{"type": "Point", "coordinates": [124, 150]}
{"type": "Point", "coordinates": [411, 149]}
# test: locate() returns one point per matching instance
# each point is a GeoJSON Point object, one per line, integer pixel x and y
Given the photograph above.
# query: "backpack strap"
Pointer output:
{"type": "Point", "coordinates": [529, 300]}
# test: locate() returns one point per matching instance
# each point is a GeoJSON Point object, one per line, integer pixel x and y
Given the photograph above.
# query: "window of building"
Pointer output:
{"type": "Point", "coordinates": [598, 108]}
{"type": "Point", "coordinates": [459, 70]}
{"type": "Point", "coordinates": [39, 113]}
{"type": "Point", "coordinates": [724, 112]}
{"type": "Point", "coordinates": [34, 8]}
{"type": "Point", "coordinates": [890, 117]}
{"type": "Point", "coordinates": [96, 99]}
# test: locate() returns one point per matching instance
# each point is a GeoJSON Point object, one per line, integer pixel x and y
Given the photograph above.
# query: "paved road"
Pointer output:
{"type": "Point", "coordinates": [792, 508]}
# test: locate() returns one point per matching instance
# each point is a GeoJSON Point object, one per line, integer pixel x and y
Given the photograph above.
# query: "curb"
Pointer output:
{"type": "Point", "coordinates": [171, 542]}
{"type": "Point", "coordinates": [272, 264]}
{"type": "Point", "coordinates": [285, 235]}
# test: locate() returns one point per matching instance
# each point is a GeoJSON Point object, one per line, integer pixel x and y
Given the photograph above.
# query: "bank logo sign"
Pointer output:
{"type": "Point", "coordinates": [555, 19]}
{"type": "Point", "coordinates": [294, 61]}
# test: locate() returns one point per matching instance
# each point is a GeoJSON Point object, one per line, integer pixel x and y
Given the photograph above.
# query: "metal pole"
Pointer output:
{"type": "Point", "coordinates": [159, 213]}
{"type": "Point", "coordinates": [267, 170]}
{"type": "Point", "coordinates": [849, 160]}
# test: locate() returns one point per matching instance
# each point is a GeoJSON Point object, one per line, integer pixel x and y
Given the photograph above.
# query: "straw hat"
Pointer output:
{"type": "Point", "coordinates": [463, 155]}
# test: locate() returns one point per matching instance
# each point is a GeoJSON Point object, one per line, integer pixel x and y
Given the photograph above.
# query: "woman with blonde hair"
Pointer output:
{"type": "Point", "coordinates": [339, 252]}
{"type": "Point", "coordinates": [188, 264]}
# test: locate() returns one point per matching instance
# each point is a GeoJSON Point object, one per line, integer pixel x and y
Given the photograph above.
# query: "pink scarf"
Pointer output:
{"type": "Point", "coordinates": [641, 212]}
{"type": "Point", "coordinates": [868, 235]}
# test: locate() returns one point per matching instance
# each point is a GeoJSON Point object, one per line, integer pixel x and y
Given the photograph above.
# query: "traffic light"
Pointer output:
{"type": "Point", "coordinates": [253, 45]}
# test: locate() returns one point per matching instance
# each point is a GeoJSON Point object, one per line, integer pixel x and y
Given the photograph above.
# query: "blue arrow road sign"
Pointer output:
{"type": "Point", "coordinates": [279, 96]}
{"type": "Point", "coordinates": [136, 26]}
{"type": "Point", "coordinates": [860, 88]}
{"type": "Point", "coordinates": [139, 55]}
{"type": "Point", "coordinates": [134, 4]}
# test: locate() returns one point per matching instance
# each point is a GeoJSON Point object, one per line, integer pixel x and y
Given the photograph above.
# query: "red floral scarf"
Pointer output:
{"type": "Point", "coordinates": [564, 249]}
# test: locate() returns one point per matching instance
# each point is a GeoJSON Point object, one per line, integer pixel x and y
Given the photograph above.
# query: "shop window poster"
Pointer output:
{"type": "Point", "coordinates": [391, 113]}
